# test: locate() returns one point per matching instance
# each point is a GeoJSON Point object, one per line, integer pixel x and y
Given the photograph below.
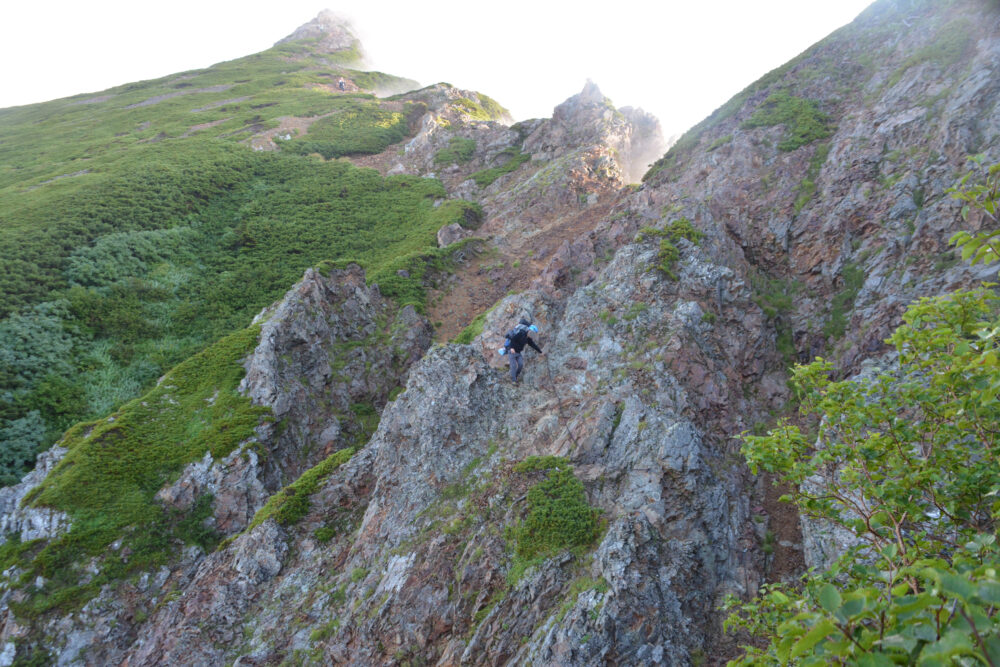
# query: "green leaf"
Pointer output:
{"type": "Point", "coordinates": [957, 586]}
{"type": "Point", "coordinates": [829, 598]}
{"type": "Point", "coordinates": [809, 640]}
{"type": "Point", "coordinates": [953, 644]}
{"type": "Point", "coordinates": [900, 589]}
{"type": "Point", "coordinates": [989, 592]}
{"type": "Point", "coordinates": [875, 660]}
{"type": "Point", "coordinates": [906, 644]}
{"type": "Point", "coordinates": [854, 604]}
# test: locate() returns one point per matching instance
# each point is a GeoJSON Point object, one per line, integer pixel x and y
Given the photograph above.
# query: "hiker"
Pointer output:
{"type": "Point", "coordinates": [342, 84]}
{"type": "Point", "coordinates": [517, 338]}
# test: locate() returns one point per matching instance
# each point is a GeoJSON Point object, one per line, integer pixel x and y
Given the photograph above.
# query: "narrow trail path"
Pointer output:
{"type": "Point", "coordinates": [477, 285]}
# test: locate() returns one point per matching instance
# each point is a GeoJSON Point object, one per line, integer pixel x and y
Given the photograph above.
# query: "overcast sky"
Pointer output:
{"type": "Point", "coordinates": [679, 60]}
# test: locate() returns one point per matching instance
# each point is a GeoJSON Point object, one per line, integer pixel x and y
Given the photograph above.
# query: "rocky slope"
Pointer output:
{"type": "Point", "coordinates": [798, 220]}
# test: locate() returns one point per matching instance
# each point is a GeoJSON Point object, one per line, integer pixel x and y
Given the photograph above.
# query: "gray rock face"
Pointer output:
{"type": "Point", "coordinates": [333, 33]}
{"type": "Point", "coordinates": [418, 557]}
{"type": "Point", "coordinates": [330, 345]}
{"type": "Point", "coordinates": [32, 523]}
{"type": "Point", "coordinates": [874, 197]}
{"type": "Point", "coordinates": [235, 483]}
{"type": "Point", "coordinates": [450, 234]}
{"type": "Point", "coordinates": [405, 553]}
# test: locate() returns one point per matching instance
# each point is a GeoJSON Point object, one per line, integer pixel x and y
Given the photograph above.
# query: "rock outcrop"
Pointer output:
{"type": "Point", "coordinates": [330, 33]}
{"type": "Point", "coordinates": [668, 313]}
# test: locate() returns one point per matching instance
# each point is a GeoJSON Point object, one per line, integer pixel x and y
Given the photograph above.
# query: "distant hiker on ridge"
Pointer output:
{"type": "Point", "coordinates": [517, 338]}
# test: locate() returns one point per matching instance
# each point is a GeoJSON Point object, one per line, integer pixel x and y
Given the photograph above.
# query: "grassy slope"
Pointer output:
{"type": "Point", "coordinates": [107, 481]}
{"type": "Point", "coordinates": [126, 246]}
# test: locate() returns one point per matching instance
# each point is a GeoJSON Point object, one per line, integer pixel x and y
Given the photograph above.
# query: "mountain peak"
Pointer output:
{"type": "Point", "coordinates": [333, 33]}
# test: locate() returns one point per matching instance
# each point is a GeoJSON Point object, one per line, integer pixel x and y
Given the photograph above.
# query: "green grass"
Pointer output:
{"type": "Point", "coordinates": [721, 141]}
{"type": "Point", "coordinates": [690, 140]}
{"type": "Point", "coordinates": [514, 159]}
{"type": "Point", "coordinates": [107, 481]}
{"type": "Point", "coordinates": [468, 334]}
{"type": "Point", "coordinates": [485, 109]}
{"type": "Point", "coordinates": [853, 277]}
{"type": "Point", "coordinates": [803, 120]}
{"type": "Point", "coordinates": [468, 214]}
{"type": "Point", "coordinates": [139, 234]}
{"type": "Point", "coordinates": [357, 127]}
{"type": "Point", "coordinates": [952, 43]}
{"type": "Point", "coordinates": [776, 297]}
{"type": "Point", "coordinates": [807, 187]}
{"type": "Point", "coordinates": [292, 503]}
{"type": "Point", "coordinates": [558, 517]}
{"type": "Point", "coordinates": [459, 151]}
{"type": "Point", "coordinates": [108, 285]}
{"type": "Point", "coordinates": [668, 254]}
{"type": "Point", "coordinates": [475, 327]}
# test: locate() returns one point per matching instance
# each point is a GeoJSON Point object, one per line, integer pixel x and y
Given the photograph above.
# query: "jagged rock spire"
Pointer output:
{"type": "Point", "coordinates": [334, 33]}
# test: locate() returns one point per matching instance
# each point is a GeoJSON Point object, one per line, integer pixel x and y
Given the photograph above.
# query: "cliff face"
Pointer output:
{"type": "Point", "coordinates": [798, 220]}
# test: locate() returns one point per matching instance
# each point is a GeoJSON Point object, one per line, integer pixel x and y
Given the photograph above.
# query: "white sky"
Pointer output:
{"type": "Point", "coordinates": [678, 59]}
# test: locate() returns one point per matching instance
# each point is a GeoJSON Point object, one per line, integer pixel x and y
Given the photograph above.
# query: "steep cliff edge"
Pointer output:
{"type": "Point", "coordinates": [597, 512]}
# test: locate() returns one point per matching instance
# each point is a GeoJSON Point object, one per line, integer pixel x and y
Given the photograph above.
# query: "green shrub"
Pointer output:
{"type": "Point", "coordinates": [145, 299]}
{"type": "Point", "coordinates": [842, 302]}
{"type": "Point", "coordinates": [669, 255]}
{"type": "Point", "coordinates": [907, 464]}
{"type": "Point", "coordinates": [468, 214]}
{"type": "Point", "coordinates": [776, 297]}
{"type": "Point", "coordinates": [358, 127]}
{"type": "Point", "coordinates": [22, 439]}
{"type": "Point", "coordinates": [807, 187]}
{"type": "Point", "coordinates": [459, 151]}
{"type": "Point", "coordinates": [802, 118]}
{"type": "Point", "coordinates": [107, 481]}
{"type": "Point", "coordinates": [952, 44]}
{"type": "Point", "coordinates": [292, 503]}
{"type": "Point", "coordinates": [475, 327]}
{"type": "Point", "coordinates": [485, 109]}
{"type": "Point", "coordinates": [514, 159]}
{"type": "Point", "coordinates": [721, 141]}
{"type": "Point", "coordinates": [559, 516]}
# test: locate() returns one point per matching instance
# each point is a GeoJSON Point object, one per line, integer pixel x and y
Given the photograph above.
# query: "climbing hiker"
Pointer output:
{"type": "Point", "coordinates": [517, 338]}
{"type": "Point", "coordinates": [342, 84]}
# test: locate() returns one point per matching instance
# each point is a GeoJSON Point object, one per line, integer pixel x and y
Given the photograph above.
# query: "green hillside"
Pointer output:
{"type": "Point", "coordinates": [138, 225]}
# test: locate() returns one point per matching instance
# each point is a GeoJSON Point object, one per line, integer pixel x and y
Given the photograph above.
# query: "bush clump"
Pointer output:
{"type": "Point", "coordinates": [362, 127]}
{"type": "Point", "coordinates": [515, 158]}
{"type": "Point", "coordinates": [854, 278]}
{"type": "Point", "coordinates": [559, 516]}
{"type": "Point", "coordinates": [108, 479]}
{"type": "Point", "coordinates": [293, 502]}
{"type": "Point", "coordinates": [459, 151]}
{"type": "Point", "coordinates": [802, 118]}
{"type": "Point", "coordinates": [669, 236]}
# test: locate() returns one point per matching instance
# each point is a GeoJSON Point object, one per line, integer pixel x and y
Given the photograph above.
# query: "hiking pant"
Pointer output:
{"type": "Point", "coordinates": [516, 362]}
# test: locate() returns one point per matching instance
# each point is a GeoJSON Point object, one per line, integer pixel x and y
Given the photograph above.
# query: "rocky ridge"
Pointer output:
{"type": "Point", "coordinates": [330, 32]}
{"type": "Point", "coordinates": [403, 554]}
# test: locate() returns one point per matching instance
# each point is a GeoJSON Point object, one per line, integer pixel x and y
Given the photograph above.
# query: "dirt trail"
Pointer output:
{"type": "Point", "coordinates": [478, 284]}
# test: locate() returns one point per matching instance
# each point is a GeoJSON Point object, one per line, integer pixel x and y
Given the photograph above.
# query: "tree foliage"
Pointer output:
{"type": "Point", "coordinates": [983, 195]}
{"type": "Point", "coordinates": [907, 460]}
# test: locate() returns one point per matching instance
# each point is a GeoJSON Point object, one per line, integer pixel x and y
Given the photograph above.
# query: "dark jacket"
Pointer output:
{"type": "Point", "coordinates": [518, 337]}
{"type": "Point", "coordinates": [518, 345]}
